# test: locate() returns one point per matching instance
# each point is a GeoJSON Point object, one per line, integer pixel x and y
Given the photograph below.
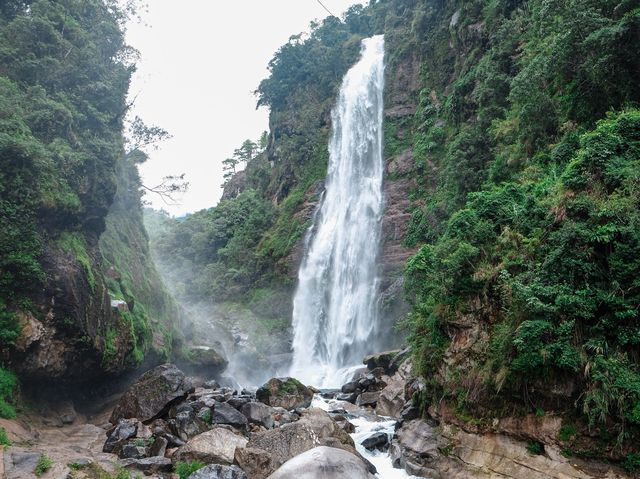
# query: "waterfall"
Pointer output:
{"type": "Point", "coordinates": [335, 308]}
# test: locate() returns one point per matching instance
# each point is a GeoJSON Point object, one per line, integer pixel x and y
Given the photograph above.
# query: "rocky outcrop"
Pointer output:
{"type": "Point", "coordinates": [322, 463]}
{"type": "Point", "coordinates": [153, 393]}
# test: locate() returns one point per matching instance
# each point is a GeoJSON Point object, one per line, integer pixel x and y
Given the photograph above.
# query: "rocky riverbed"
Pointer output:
{"type": "Point", "coordinates": [167, 421]}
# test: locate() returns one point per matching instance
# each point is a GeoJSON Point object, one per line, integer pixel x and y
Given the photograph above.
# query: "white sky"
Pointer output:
{"type": "Point", "coordinates": [201, 61]}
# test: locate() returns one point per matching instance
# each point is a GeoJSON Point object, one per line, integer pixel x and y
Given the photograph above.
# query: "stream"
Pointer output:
{"type": "Point", "coordinates": [367, 424]}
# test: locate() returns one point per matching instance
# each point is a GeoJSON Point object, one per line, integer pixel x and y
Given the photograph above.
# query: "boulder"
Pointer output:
{"type": "Point", "coordinates": [257, 463]}
{"type": "Point", "coordinates": [392, 399]}
{"type": "Point", "coordinates": [218, 471]}
{"type": "Point", "coordinates": [368, 399]}
{"type": "Point", "coordinates": [315, 428]}
{"type": "Point", "coordinates": [131, 450]}
{"type": "Point", "coordinates": [152, 394]}
{"type": "Point", "coordinates": [148, 465]}
{"type": "Point", "coordinates": [288, 393]}
{"type": "Point", "coordinates": [206, 359]}
{"type": "Point", "coordinates": [187, 425]}
{"type": "Point", "coordinates": [159, 447]}
{"type": "Point", "coordinates": [258, 413]}
{"type": "Point", "coordinates": [381, 360]}
{"type": "Point", "coordinates": [215, 446]}
{"type": "Point", "coordinates": [379, 441]}
{"type": "Point", "coordinates": [322, 463]}
{"type": "Point", "coordinates": [239, 401]}
{"type": "Point", "coordinates": [124, 430]}
{"type": "Point", "coordinates": [416, 449]}
{"type": "Point", "coordinates": [225, 414]}
{"type": "Point", "coordinates": [350, 387]}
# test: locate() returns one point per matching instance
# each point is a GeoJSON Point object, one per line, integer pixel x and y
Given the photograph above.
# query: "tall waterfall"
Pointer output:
{"type": "Point", "coordinates": [335, 312]}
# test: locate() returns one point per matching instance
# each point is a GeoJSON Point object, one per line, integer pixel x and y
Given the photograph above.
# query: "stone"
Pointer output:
{"type": "Point", "coordinates": [124, 430]}
{"type": "Point", "coordinates": [218, 471]}
{"type": "Point", "coordinates": [392, 399]}
{"type": "Point", "coordinates": [158, 447]}
{"type": "Point", "coordinates": [401, 164]}
{"type": "Point", "coordinates": [380, 360]}
{"type": "Point", "coordinates": [148, 465]}
{"type": "Point", "coordinates": [416, 449]}
{"type": "Point", "coordinates": [368, 399]}
{"type": "Point", "coordinates": [258, 413]}
{"type": "Point", "coordinates": [379, 440]}
{"type": "Point", "coordinates": [315, 428]}
{"type": "Point", "coordinates": [211, 384]}
{"type": "Point", "coordinates": [131, 450]}
{"type": "Point", "coordinates": [152, 394]}
{"type": "Point", "coordinates": [187, 425]}
{"type": "Point", "coordinates": [323, 463]}
{"type": "Point", "coordinates": [257, 463]}
{"type": "Point", "coordinates": [207, 359]}
{"type": "Point", "coordinates": [239, 401]}
{"type": "Point", "coordinates": [282, 416]}
{"type": "Point", "coordinates": [287, 392]}
{"type": "Point", "coordinates": [215, 446]}
{"type": "Point", "coordinates": [349, 387]}
{"type": "Point", "coordinates": [223, 413]}
{"type": "Point", "coordinates": [348, 397]}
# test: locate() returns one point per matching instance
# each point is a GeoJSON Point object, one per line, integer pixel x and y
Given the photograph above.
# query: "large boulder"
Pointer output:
{"type": "Point", "coordinates": [288, 393]}
{"type": "Point", "coordinates": [381, 360]}
{"type": "Point", "coordinates": [315, 428]}
{"type": "Point", "coordinates": [225, 414]}
{"type": "Point", "coordinates": [148, 465]}
{"type": "Point", "coordinates": [417, 449]}
{"type": "Point", "coordinates": [120, 434]}
{"type": "Point", "coordinates": [258, 413]}
{"type": "Point", "coordinates": [392, 398]}
{"type": "Point", "coordinates": [206, 360]}
{"type": "Point", "coordinates": [257, 463]}
{"type": "Point", "coordinates": [323, 463]}
{"type": "Point", "coordinates": [218, 471]}
{"type": "Point", "coordinates": [215, 446]}
{"type": "Point", "coordinates": [152, 394]}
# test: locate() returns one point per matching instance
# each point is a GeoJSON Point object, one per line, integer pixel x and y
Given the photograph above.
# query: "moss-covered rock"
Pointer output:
{"type": "Point", "coordinates": [288, 393]}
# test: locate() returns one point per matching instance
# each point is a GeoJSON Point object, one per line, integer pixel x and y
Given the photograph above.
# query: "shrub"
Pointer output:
{"type": "Point", "coordinates": [4, 438]}
{"type": "Point", "coordinates": [536, 448]}
{"type": "Point", "coordinates": [185, 469]}
{"type": "Point", "coordinates": [43, 465]}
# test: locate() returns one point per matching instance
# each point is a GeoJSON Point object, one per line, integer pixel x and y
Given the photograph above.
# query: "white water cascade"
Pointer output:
{"type": "Point", "coordinates": [335, 311]}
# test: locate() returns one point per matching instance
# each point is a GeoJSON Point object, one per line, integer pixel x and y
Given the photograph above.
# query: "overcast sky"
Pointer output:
{"type": "Point", "coordinates": [201, 61]}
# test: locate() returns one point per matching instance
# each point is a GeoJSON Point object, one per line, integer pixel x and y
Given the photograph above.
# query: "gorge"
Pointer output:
{"type": "Point", "coordinates": [456, 182]}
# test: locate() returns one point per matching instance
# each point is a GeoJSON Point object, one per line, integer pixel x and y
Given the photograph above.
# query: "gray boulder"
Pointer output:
{"type": "Point", "coordinates": [218, 471]}
{"type": "Point", "coordinates": [124, 430]}
{"type": "Point", "coordinates": [215, 446]}
{"type": "Point", "coordinates": [152, 394]}
{"type": "Point", "coordinates": [187, 425]}
{"type": "Point", "coordinates": [148, 465]}
{"type": "Point", "coordinates": [258, 413]}
{"type": "Point", "coordinates": [379, 440]}
{"type": "Point", "coordinates": [323, 463]}
{"type": "Point", "coordinates": [368, 399]}
{"type": "Point", "coordinates": [225, 414]}
{"type": "Point", "coordinates": [416, 449]}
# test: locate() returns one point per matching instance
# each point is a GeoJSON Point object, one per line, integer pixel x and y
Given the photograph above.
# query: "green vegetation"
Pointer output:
{"type": "Point", "coordinates": [536, 448]}
{"type": "Point", "coordinates": [43, 465]}
{"type": "Point", "coordinates": [4, 438]}
{"type": "Point", "coordinates": [75, 244]}
{"type": "Point", "coordinates": [185, 469]}
{"type": "Point", "coordinates": [93, 470]}
{"type": "Point", "coordinates": [8, 385]}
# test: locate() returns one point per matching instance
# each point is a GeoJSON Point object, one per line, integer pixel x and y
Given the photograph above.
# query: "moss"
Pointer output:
{"type": "Point", "coordinates": [74, 243]}
{"type": "Point", "coordinates": [185, 469]}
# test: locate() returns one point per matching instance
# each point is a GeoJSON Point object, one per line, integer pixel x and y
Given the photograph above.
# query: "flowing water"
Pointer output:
{"type": "Point", "coordinates": [367, 424]}
{"type": "Point", "coordinates": [335, 313]}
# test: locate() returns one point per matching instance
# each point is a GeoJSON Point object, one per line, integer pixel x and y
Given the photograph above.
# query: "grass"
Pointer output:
{"type": "Point", "coordinates": [43, 465]}
{"type": "Point", "coordinates": [185, 469]}
{"type": "Point", "coordinates": [536, 448]}
{"type": "Point", "coordinates": [4, 438]}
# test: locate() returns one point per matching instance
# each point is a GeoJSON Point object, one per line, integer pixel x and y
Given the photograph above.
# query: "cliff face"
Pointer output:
{"type": "Point", "coordinates": [63, 183]}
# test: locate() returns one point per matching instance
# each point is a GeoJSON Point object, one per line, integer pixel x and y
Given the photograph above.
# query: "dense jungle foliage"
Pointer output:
{"type": "Point", "coordinates": [524, 134]}
{"type": "Point", "coordinates": [64, 77]}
